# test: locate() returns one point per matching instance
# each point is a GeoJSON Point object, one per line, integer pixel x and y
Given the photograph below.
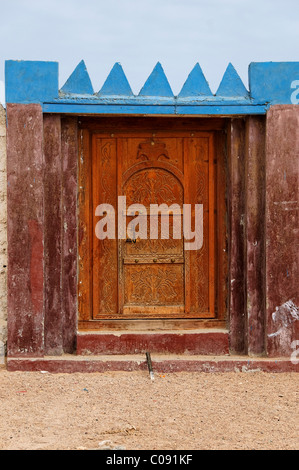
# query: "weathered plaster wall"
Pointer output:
{"type": "Point", "coordinates": [282, 215]}
{"type": "Point", "coordinates": [25, 281]}
{"type": "Point", "coordinates": [3, 236]}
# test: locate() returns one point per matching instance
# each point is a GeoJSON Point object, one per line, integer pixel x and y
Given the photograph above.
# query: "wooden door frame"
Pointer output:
{"type": "Point", "coordinates": [87, 128]}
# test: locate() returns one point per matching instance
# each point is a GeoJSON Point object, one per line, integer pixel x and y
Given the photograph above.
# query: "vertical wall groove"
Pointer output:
{"type": "Point", "coordinates": [69, 152]}
{"type": "Point", "coordinates": [237, 264]}
{"type": "Point", "coordinates": [255, 233]}
{"type": "Point", "coordinates": [52, 235]}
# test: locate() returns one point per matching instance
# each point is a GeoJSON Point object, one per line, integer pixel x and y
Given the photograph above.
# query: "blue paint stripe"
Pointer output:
{"type": "Point", "coordinates": [106, 109]}
{"type": "Point", "coordinates": [154, 109]}
{"type": "Point", "coordinates": [221, 110]}
{"type": "Point", "coordinates": [157, 100]}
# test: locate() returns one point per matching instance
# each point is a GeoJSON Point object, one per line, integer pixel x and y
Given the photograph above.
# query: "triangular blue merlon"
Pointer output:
{"type": "Point", "coordinates": [116, 83]}
{"type": "Point", "coordinates": [231, 84]}
{"type": "Point", "coordinates": [196, 84]}
{"type": "Point", "coordinates": [79, 81]}
{"type": "Point", "coordinates": [157, 84]}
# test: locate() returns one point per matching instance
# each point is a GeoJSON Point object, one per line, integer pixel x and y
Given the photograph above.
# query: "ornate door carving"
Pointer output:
{"type": "Point", "coordinates": [141, 277]}
{"type": "Point", "coordinates": [153, 269]}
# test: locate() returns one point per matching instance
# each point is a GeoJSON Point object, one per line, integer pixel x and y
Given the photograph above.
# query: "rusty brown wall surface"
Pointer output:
{"type": "Point", "coordinates": [25, 166]}
{"type": "Point", "coordinates": [236, 203]}
{"type": "Point", "coordinates": [255, 233]}
{"type": "Point", "coordinates": [69, 152]}
{"type": "Point", "coordinates": [282, 264]}
{"type": "Point", "coordinates": [60, 142]}
{"type": "Point", "coordinates": [246, 194]}
{"type": "Point", "coordinates": [52, 235]}
{"type": "Point", "coordinates": [3, 236]}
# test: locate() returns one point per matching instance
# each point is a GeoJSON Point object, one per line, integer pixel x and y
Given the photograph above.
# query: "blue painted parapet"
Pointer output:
{"type": "Point", "coordinates": [37, 82]}
{"type": "Point", "coordinates": [274, 82]}
{"type": "Point", "coordinates": [30, 82]}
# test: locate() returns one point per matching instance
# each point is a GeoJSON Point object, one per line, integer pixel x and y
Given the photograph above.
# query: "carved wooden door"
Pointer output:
{"type": "Point", "coordinates": [153, 269]}
{"type": "Point", "coordinates": [148, 274]}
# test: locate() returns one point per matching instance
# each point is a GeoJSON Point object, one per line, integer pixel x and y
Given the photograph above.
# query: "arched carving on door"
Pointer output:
{"type": "Point", "coordinates": [153, 185]}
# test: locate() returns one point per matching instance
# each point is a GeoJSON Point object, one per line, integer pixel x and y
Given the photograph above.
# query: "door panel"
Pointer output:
{"type": "Point", "coordinates": [200, 190]}
{"type": "Point", "coordinates": [105, 252]}
{"type": "Point", "coordinates": [154, 284]}
{"type": "Point", "coordinates": [154, 278]}
{"type": "Point", "coordinates": [160, 281]}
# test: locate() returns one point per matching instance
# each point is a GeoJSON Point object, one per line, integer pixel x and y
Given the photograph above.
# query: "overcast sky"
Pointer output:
{"type": "Point", "coordinates": [138, 33]}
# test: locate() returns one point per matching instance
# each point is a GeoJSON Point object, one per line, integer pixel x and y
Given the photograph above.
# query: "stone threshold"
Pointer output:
{"type": "Point", "coordinates": [161, 363]}
{"type": "Point", "coordinates": [191, 342]}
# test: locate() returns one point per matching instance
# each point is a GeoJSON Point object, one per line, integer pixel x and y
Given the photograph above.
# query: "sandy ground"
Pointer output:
{"type": "Point", "coordinates": [182, 411]}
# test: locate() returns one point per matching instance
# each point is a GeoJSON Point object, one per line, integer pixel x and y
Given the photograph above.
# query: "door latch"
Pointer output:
{"type": "Point", "coordinates": [130, 240]}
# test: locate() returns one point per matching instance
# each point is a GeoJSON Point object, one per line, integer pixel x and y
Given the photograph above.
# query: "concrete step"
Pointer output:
{"type": "Point", "coordinates": [191, 342]}
{"type": "Point", "coordinates": [162, 364]}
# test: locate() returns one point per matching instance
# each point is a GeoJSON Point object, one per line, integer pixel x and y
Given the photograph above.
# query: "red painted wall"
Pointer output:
{"type": "Point", "coordinates": [282, 230]}
{"type": "Point", "coordinates": [25, 227]}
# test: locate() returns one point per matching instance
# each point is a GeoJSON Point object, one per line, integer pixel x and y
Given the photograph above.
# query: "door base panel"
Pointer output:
{"type": "Point", "coordinates": [150, 325]}
{"type": "Point", "coordinates": [202, 342]}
